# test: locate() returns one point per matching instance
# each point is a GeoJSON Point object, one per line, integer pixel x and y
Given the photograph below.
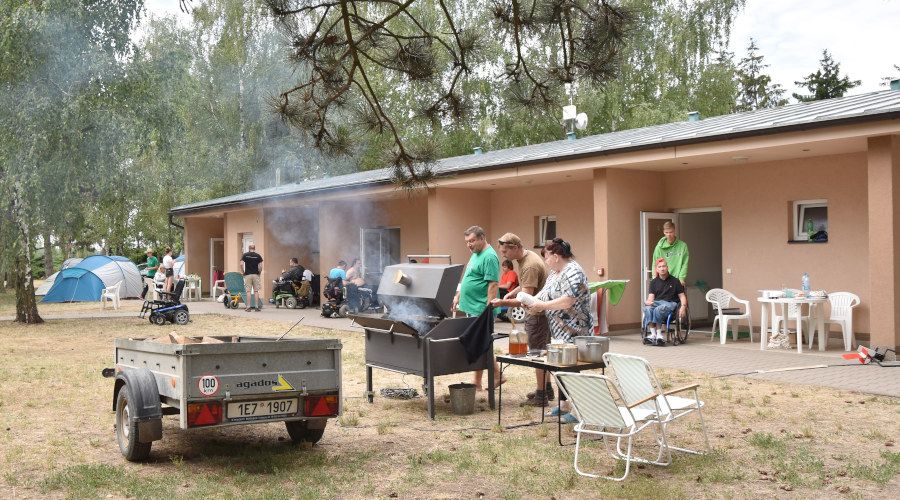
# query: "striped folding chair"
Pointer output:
{"type": "Point", "coordinates": [640, 389]}
{"type": "Point", "coordinates": [594, 404]}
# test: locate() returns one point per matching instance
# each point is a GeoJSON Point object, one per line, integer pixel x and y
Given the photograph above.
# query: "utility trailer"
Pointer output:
{"type": "Point", "coordinates": [231, 381]}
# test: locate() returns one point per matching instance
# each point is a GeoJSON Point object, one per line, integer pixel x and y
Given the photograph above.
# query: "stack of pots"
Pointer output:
{"type": "Point", "coordinates": [562, 354]}
{"type": "Point", "coordinates": [591, 349]}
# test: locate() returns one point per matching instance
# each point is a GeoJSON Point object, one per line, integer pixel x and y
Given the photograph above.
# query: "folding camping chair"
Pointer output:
{"type": "Point", "coordinates": [598, 414]}
{"type": "Point", "coordinates": [641, 390]}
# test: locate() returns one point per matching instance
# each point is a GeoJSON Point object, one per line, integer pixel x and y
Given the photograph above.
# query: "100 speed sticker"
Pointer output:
{"type": "Point", "coordinates": [209, 385]}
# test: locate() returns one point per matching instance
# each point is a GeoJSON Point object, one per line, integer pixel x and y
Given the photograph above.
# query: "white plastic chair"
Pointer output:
{"type": "Point", "coordinates": [721, 302]}
{"type": "Point", "coordinates": [111, 294]}
{"type": "Point", "coordinates": [792, 310]}
{"type": "Point", "coordinates": [641, 391]}
{"type": "Point", "coordinates": [842, 304]}
{"type": "Point", "coordinates": [218, 286]}
{"type": "Point", "coordinates": [152, 291]}
{"type": "Point", "coordinates": [192, 289]}
{"type": "Point", "coordinates": [598, 414]}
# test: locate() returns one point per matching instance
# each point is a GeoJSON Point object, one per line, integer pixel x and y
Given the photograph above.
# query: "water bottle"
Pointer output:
{"type": "Point", "coordinates": [805, 283]}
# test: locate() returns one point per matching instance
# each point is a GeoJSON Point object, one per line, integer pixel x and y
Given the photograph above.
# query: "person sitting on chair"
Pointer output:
{"type": "Point", "coordinates": [353, 281]}
{"type": "Point", "coordinates": [665, 293]}
{"type": "Point", "coordinates": [294, 273]}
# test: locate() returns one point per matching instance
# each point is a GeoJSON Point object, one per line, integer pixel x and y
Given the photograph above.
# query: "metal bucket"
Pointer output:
{"type": "Point", "coordinates": [462, 399]}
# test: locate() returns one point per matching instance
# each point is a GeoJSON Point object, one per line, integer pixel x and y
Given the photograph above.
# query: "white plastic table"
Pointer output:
{"type": "Point", "coordinates": [780, 338]}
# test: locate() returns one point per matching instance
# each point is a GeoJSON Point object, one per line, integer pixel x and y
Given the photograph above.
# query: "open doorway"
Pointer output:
{"type": "Point", "coordinates": [380, 248]}
{"type": "Point", "coordinates": [216, 258]}
{"type": "Point", "coordinates": [701, 229]}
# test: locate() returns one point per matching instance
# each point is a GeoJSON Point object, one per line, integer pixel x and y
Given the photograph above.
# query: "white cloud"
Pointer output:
{"type": "Point", "coordinates": [791, 34]}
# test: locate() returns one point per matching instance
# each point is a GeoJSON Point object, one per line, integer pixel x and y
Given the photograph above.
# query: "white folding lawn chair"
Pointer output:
{"type": "Point", "coordinates": [593, 402]}
{"type": "Point", "coordinates": [640, 390]}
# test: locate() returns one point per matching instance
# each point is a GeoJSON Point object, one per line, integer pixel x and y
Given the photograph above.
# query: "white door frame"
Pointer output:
{"type": "Point", "coordinates": [212, 259]}
{"type": "Point", "coordinates": [646, 270]}
{"type": "Point", "coordinates": [362, 245]}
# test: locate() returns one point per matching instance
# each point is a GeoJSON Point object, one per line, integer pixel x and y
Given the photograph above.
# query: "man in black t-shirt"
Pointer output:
{"type": "Point", "coordinates": [251, 263]}
{"type": "Point", "coordinates": [665, 292]}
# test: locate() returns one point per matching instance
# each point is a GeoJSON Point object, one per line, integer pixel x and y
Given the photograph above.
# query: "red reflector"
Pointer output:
{"type": "Point", "coordinates": [321, 406]}
{"type": "Point", "coordinates": [200, 414]}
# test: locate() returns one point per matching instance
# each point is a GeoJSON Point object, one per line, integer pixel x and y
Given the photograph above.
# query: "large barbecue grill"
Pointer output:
{"type": "Point", "coordinates": [416, 336]}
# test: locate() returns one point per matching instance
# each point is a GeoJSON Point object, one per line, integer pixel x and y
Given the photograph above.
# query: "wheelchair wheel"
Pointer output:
{"type": "Point", "coordinates": [290, 303]}
{"type": "Point", "coordinates": [181, 317]}
{"type": "Point", "coordinates": [517, 314]}
{"type": "Point", "coordinates": [157, 319]}
{"type": "Point", "coordinates": [682, 329]}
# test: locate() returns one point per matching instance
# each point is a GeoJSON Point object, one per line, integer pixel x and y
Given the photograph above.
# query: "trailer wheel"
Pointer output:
{"type": "Point", "coordinates": [301, 433]}
{"type": "Point", "coordinates": [182, 317]}
{"type": "Point", "coordinates": [127, 431]}
{"type": "Point", "coordinates": [158, 319]}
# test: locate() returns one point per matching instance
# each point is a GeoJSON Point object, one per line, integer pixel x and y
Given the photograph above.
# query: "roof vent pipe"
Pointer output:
{"type": "Point", "coordinates": [895, 84]}
{"type": "Point", "coordinates": [476, 150]}
{"type": "Point", "coordinates": [694, 116]}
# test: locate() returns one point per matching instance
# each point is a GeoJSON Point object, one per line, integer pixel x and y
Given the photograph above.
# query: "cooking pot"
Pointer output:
{"type": "Point", "coordinates": [568, 355]}
{"type": "Point", "coordinates": [591, 348]}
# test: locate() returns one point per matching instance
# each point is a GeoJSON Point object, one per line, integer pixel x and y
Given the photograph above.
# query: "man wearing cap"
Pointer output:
{"type": "Point", "coordinates": [251, 264]}
{"type": "Point", "coordinates": [152, 263]}
{"type": "Point", "coordinates": [532, 272]}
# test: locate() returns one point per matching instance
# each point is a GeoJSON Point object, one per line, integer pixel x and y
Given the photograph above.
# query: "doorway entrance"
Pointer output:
{"type": "Point", "coordinates": [380, 248]}
{"type": "Point", "coordinates": [701, 229]}
{"type": "Point", "coordinates": [216, 258]}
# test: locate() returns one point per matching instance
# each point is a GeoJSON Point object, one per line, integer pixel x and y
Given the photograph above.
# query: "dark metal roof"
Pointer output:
{"type": "Point", "coordinates": [801, 116]}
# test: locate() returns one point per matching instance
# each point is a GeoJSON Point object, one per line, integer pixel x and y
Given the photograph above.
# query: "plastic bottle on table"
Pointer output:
{"type": "Point", "coordinates": [805, 283]}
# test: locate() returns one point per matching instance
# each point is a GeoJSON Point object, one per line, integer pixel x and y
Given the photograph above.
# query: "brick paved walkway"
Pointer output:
{"type": "Point", "coordinates": [699, 354]}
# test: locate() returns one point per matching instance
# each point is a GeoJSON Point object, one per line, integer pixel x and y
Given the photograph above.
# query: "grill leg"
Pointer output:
{"type": "Point", "coordinates": [490, 371]}
{"type": "Point", "coordinates": [430, 381]}
{"type": "Point", "coordinates": [369, 392]}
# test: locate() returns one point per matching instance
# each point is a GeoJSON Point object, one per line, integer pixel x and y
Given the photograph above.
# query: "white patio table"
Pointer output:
{"type": "Point", "coordinates": [780, 339]}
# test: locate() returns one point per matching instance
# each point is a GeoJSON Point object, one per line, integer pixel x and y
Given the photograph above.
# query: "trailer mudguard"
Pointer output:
{"type": "Point", "coordinates": [145, 395]}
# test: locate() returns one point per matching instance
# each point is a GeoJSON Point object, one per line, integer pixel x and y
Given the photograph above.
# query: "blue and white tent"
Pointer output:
{"type": "Point", "coordinates": [85, 281]}
{"type": "Point", "coordinates": [48, 283]}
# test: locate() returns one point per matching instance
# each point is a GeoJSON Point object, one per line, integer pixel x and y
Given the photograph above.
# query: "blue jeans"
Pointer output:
{"type": "Point", "coordinates": [658, 312]}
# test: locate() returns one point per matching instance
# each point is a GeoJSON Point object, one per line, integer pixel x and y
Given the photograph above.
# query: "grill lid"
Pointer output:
{"type": "Point", "coordinates": [419, 289]}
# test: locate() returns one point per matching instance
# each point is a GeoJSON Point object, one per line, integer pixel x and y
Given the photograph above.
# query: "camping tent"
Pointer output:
{"type": "Point", "coordinates": [178, 267]}
{"type": "Point", "coordinates": [48, 282]}
{"type": "Point", "coordinates": [86, 280]}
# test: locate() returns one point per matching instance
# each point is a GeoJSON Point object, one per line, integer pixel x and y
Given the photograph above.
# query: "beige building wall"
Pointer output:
{"type": "Point", "coordinates": [340, 223]}
{"type": "Point", "coordinates": [514, 210]}
{"type": "Point", "coordinates": [291, 232]}
{"type": "Point", "coordinates": [237, 223]}
{"type": "Point", "coordinates": [197, 232]}
{"type": "Point", "coordinates": [883, 169]}
{"type": "Point", "coordinates": [451, 211]}
{"type": "Point", "coordinates": [756, 202]}
{"type": "Point", "coordinates": [620, 196]}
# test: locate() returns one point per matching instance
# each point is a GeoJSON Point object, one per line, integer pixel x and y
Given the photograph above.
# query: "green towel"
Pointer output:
{"type": "Point", "coordinates": [615, 287]}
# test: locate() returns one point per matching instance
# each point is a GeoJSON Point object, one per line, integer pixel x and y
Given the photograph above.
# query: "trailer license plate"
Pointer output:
{"type": "Point", "coordinates": [256, 410]}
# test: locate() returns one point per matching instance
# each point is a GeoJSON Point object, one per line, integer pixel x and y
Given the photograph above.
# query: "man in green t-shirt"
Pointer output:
{"type": "Point", "coordinates": [152, 264]}
{"type": "Point", "coordinates": [674, 250]}
{"type": "Point", "coordinates": [479, 284]}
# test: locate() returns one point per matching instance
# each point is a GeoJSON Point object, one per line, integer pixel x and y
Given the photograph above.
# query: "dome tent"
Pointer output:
{"type": "Point", "coordinates": [48, 283]}
{"type": "Point", "coordinates": [86, 280]}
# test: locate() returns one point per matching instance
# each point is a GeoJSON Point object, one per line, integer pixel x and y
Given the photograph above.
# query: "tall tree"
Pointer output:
{"type": "Point", "coordinates": [755, 87]}
{"type": "Point", "coordinates": [826, 82]}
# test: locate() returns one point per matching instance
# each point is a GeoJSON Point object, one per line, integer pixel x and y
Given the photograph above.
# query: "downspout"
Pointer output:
{"type": "Point", "coordinates": [173, 223]}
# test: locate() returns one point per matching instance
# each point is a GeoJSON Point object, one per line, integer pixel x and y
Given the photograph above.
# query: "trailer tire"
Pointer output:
{"type": "Point", "coordinates": [300, 432]}
{"type": "Point", "coordinates": [126, 431]}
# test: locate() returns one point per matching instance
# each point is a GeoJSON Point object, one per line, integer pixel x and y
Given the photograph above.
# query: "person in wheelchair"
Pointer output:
{"type": "Point", "coordinates": [289, 279]}
{"type": "Point", "coordinates": [359, 296]}
{"type": "Point", "coordinates": [665, 297]}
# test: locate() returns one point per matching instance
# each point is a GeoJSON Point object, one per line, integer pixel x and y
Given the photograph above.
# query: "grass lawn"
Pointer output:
{"type": "Point", "coordinates": [57, 439]}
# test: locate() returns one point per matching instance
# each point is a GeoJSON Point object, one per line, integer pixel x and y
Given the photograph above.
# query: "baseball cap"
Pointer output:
{"type": "Point", "coordinates": [510, 239]}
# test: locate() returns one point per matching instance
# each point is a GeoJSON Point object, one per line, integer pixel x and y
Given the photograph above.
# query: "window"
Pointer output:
{"type": "Point", "coordinates": [544, 229]}
{"type": "Point", "coordinates": [810, 213]}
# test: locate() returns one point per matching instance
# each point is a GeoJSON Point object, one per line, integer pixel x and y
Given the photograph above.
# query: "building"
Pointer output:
{"type": "Point", "coordinates": [743, 188]}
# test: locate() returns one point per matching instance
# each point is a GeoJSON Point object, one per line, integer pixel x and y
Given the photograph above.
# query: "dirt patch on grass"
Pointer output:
{"type": "Point", "coordinates": [56, 435]}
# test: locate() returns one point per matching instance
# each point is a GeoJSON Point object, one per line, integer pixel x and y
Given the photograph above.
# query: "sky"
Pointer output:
{"type": "Point", "coordinates": [861, 35]}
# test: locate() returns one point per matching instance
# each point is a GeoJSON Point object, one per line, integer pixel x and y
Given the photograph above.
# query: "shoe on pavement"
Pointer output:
{"type": "Point", "coordinates": [660, 342]}
{"type": "Point", "coordinates": [568, 418]}
{"type": "Point", "coordinates": [248, 309]}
